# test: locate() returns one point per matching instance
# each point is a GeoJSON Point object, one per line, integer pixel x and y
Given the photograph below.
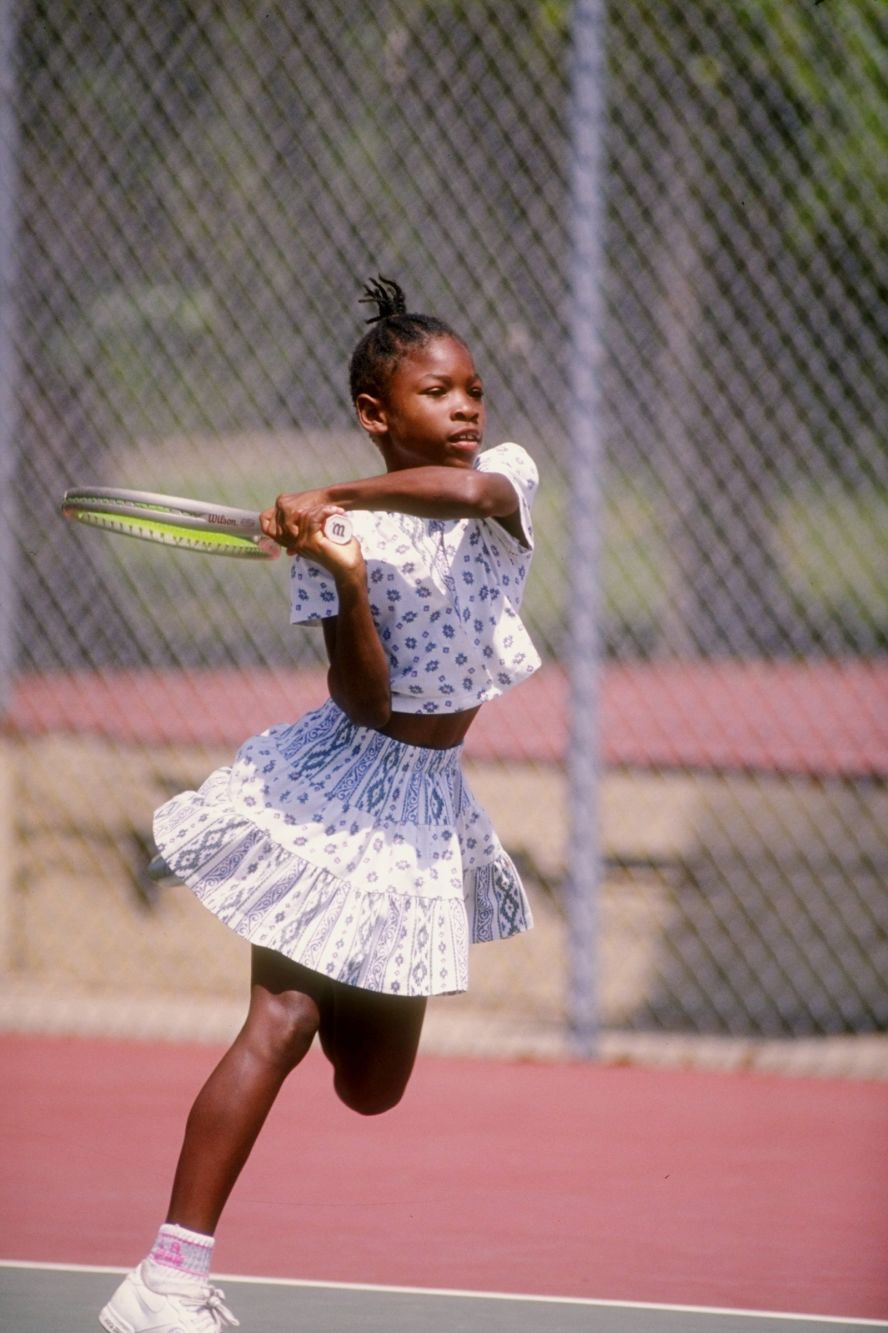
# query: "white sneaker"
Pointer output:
{"type": "Point", "coordinates": [150, 1302]}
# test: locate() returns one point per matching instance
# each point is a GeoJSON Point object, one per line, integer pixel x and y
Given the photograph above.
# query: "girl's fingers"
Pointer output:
{"type": "Point", "coordinates": [336, 526]}
{"type": "Point", "coordinates": [309, 530]}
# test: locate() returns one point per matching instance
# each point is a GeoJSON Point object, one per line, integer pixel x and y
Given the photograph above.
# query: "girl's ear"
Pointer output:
{"type": "Point", "coordinates": [371, 414]}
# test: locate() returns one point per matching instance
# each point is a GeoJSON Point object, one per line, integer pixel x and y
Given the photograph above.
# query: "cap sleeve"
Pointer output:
{"type": "Point", "coordinates": [312, 593]}
{"type": "Point", "coordinates": [514, 462]}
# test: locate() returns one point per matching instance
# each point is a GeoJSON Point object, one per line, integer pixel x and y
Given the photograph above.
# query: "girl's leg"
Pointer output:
{"type": "Point", "coordinates": [286, 1003]}
{"type": "Point", "coordinates": [371, 1040]}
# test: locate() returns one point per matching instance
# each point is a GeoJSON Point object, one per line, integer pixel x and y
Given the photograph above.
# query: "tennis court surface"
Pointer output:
{"type": "Point", "coordinates": [497, 1196]}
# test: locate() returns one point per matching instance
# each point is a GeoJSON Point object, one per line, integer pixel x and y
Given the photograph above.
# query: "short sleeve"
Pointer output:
{"type": "Point", "coordinates": [312, 593]}
{"type": "Point", "coordinates": [514, 462]}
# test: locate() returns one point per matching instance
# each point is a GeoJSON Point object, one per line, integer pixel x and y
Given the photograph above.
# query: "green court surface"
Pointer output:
{"type": "Point", "coordinates": [37, 1299]}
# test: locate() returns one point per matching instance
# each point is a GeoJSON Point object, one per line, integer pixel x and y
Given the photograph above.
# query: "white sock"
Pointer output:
{"type": "Point", "coordinates": [182, 1251]}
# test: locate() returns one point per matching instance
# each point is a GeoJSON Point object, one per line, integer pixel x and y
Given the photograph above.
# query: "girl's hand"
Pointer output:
{"type": "Point", "coordinates": [296, 522]}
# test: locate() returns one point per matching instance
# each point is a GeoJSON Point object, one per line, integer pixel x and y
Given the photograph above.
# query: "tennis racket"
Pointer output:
{"type": "Point", "coordinates": [189, 525]}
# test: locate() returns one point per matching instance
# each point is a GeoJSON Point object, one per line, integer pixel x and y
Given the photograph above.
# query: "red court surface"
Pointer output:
{"type": "Point", "coordinates": [687, 1188]}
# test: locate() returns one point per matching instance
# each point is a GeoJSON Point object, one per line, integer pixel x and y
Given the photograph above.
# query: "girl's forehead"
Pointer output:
{"type": "Point", "coordinates": [442, 355]}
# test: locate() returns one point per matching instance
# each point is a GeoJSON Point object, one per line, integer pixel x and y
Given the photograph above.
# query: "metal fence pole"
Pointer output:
{"type": "Point", "coordinates": [584, 874]}
{"type": "Point", "coordinates": [8, 140]}
{"type": "Point", "coordinates": [195, 199]}
{"type": "Point", "coordinates": [8, 137]}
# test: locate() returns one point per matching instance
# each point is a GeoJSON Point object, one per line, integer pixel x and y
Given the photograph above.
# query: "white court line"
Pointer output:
{"type": "Point", "coordinates": [479, 1295]}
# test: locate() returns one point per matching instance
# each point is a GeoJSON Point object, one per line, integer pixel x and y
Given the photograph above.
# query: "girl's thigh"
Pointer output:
{"type": "Point", "coordinates": [371, 1040]}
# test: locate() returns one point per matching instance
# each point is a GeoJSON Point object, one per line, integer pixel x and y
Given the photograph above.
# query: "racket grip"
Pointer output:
{"type": "Point", "coordinates": [338, 529]}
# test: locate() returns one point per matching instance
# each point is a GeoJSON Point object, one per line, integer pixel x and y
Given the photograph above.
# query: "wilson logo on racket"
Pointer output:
{"type": "Point", "coordinates": [189, 525]}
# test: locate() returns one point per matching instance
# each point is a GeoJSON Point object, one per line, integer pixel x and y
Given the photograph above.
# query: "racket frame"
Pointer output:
{"type": "Point", "coordinates": [99, 506]}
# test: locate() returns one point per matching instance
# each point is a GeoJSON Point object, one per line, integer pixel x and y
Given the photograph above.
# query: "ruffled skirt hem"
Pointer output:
{"type": "Point", "coordinates": [353, 892]}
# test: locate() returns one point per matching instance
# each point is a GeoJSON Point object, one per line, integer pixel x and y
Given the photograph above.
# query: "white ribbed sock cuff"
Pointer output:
{"type": "Point", "coordinates": [187, 1252]}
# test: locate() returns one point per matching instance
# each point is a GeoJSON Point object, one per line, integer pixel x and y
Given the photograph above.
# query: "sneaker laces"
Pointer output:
{"type": "Point", "coordinates": [209, 1300]}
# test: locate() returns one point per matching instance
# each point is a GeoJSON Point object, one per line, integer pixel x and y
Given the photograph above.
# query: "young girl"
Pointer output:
{"type": "Point", "coordinates": [346, 847]}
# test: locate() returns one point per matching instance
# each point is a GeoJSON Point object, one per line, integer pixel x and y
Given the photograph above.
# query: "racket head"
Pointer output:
{"type": "Point", "coordinates": [171, 521]}
{"type": "Point", "coordinates": [189, 525]}
{"type": "Point", "coordinates": [118, 498]}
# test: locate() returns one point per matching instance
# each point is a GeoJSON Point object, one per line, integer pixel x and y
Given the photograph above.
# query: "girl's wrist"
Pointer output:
{"type": "Point", "coordinates": [342, 494]}
{"type": "Point", "coordinates": [351, 578]}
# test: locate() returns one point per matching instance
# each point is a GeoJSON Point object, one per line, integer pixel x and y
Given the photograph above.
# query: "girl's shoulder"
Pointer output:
{"type": "Point", "coordinates": [514, 462]}
{"type": "Point", "coordinates": [511, 459]}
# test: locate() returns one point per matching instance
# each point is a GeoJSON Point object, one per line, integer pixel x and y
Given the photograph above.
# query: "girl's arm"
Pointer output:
{"type": "Point", "coordinates": [428, 492]}
{"type": "Point", "coordinates": [358, 676]}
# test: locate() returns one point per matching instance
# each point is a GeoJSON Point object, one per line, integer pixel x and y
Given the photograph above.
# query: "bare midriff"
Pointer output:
{"type": "Point", "coordinates": [435, 731]}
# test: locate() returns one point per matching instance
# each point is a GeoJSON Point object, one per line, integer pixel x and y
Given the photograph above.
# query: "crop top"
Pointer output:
{"type": "Point", "coordinates": [445, 596]}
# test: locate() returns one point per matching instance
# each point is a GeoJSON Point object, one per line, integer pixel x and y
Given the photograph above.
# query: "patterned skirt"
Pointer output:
{"type": "Point", "coordinates": [356, 855]}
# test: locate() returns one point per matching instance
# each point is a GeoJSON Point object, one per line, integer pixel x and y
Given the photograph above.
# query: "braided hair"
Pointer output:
{"type": "Point", "coordinates": [395, 331]}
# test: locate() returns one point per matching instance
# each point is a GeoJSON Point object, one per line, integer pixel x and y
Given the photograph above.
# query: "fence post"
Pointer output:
{"type": "Point", "coordinates": [8, 144]}
{"type": "Point", "coordinates": [584, 852]}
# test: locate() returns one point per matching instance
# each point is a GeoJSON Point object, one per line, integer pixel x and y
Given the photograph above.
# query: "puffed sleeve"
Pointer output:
{"type": "Point", "coordinates": [514, 462]}
{"type": "Point", "coordinates": [312, 593]}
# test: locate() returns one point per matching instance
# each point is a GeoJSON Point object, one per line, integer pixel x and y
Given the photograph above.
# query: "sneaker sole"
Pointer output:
{"type": "Point", "coordinates": [111, 1321]}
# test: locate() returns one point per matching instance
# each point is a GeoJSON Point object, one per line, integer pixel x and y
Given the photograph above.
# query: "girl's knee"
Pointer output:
{"type": "Point", "coordinates": [367, 1097]}
{"type": "Point", "coordinates": [371, 1041]}
{"type": "Point", "coordinates": [283, 1025]}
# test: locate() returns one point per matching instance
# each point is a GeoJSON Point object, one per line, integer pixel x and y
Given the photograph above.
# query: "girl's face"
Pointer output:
{"type": "Point", "coordinates": [432, 410]}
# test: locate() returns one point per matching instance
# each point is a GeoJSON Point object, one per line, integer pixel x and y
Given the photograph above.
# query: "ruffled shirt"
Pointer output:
{"type": "Point", "coordinates": [445, 596]}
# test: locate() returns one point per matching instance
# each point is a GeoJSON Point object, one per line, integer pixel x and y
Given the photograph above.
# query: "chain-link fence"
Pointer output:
{"type": "Point", "coordinates": [198, 191]}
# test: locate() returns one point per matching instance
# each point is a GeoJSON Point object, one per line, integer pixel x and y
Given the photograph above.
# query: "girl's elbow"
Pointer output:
{"type": "Point", "coordinates": [364, 711]}
{"type": "Point", "coordinates": [367, 714]}
{"type": "Point", "coordinates": [479, 500]}
{"type": "Point", "coordinates": [487, 497]}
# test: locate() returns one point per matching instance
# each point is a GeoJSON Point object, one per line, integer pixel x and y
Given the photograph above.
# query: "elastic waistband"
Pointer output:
{"type": "Point", "coordinates": [430, 757]}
